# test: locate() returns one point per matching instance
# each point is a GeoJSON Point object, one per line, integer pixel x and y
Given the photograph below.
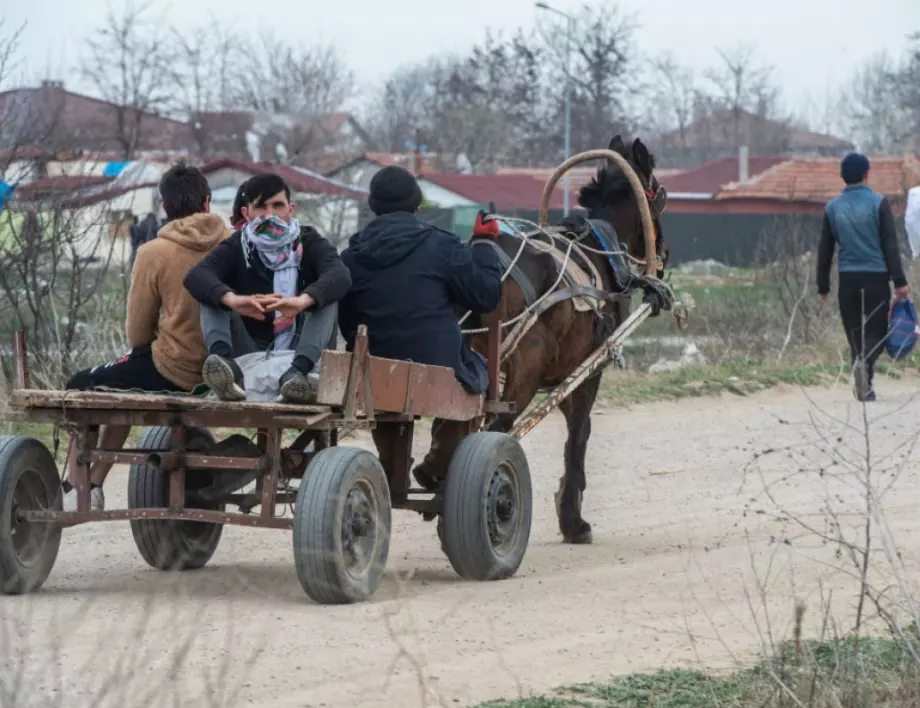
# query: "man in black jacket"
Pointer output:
{"type": "Point", "coordinates": [408, 280]}
{"type": "Point", "coordinates": [272, 284]}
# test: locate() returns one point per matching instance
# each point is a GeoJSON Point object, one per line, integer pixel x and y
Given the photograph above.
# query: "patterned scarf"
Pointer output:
{"type": "Point", "coordinates": [277, 243]}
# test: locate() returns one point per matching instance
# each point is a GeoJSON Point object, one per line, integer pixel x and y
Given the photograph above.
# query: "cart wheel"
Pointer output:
{"type": "Point", "coordinates": [488, 506]}
{"type": "Point", "coordinates": [342, 526]}
{"type": "Point", "coordinates": [169, 544]}
{"type": "Point", "coordinates": [28, 480]}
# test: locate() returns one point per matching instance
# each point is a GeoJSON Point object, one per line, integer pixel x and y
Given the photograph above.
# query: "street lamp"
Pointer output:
{"type": "Point", "coordinates": [568, 94]}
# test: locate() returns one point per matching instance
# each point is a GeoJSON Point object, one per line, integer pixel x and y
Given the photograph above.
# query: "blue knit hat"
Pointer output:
{"type": "Point", "coordinates": [853, 167]}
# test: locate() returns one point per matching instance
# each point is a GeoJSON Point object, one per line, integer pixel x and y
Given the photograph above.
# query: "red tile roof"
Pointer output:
{"type": "Point", "coordinates": [298, 179]}
{"type": "Point", "coordinates": [818, 180]}
{"type": "Point", "coordinates": [710, 177]}
{"type": "Point", "coordinates": [507, 191]}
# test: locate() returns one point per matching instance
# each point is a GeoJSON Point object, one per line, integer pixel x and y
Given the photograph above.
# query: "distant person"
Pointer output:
{"type": "Point", "coordinates": [237, 219]}
{"type": "Point", "coordinates": [912, 221]}
{"type": "Point", "coordinates": [141, 233]}
{"type": "Point", "coordinates": [161, 325]}
{"type": "Point", "coordinates": [861, 225]}
{"type": "Point", "coordinates": [274, 284]}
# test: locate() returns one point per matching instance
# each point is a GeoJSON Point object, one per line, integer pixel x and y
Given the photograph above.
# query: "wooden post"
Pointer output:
{"type": "Point", "coordinates": [21, 359]}
{"type": "Point", "coordinates": [494, 358]}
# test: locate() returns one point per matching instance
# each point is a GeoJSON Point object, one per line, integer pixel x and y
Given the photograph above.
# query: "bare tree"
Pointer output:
{"type": "Point", "coordinates": [403, 106]}
{"type": "Point", "coordinates": [204, 74]}
{"type": "Point", "coordinates": [744, 91]}
{"type": "Point", "coordinates": [128, 64]}
{"type": "Point", "coordinates": [872, 106]}
{"type": "Point", "coordinates": [671, 95]}
{"type": "Point", "coordinates": [908, 89]}
{"type": "Point", "coordinates": [290, 90]}
{"type": "Point", "coordinates": [603, 71]}
{"type": "Point", "coordinates": [57, 272]}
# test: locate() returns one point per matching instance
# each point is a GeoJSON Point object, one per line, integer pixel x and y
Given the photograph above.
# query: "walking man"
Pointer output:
{"type": "Point", "coordinates": [859, 222]}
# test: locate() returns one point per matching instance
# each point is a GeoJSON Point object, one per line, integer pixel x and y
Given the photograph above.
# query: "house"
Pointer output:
{"type": "Point", "coordinates": [51, 118]}
{"type": "Point", "coordinates": [87, 214]}
{"type": "Point", "coordinates": [319, 142]}
{"type": "Point", "coordinates": [334, 208]}
{"type": "Point", "coordinates": [805, 185]}
{"type": "Point", "coordinates": [359, 169]}
{"type": "Point", "coordinates": [724, 131]}
{"type": "Point", "coordinates": [513, 189]}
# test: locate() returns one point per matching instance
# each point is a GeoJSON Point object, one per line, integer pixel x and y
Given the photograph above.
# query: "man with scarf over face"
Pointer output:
{"type": "Point", "coordinates": [273, 284]}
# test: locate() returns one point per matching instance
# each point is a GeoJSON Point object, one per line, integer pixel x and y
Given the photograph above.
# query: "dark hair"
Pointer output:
{"type": "Point", "coordinates": [236, 216]}
{"type": "Point", "coordinates": [184, 190]}
{"type": "Point", "coordinates": [262, 187]}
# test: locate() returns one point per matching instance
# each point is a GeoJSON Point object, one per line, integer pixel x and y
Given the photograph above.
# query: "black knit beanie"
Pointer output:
{"type": "Point", "coordinates": [394, 188]}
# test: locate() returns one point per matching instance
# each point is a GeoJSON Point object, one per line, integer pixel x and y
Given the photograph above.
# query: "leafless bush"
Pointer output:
{"type": "Point", "coordinates": [859, 463]}
{"type": "Point", "coordinates": [62, 283]}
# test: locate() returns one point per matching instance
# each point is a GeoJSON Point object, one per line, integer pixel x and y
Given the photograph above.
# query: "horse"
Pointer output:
{"type": "Point", "coordinates": [563, 336]}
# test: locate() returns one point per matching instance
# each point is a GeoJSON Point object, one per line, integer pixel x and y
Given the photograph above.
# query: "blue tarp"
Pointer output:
{"type": "Point", "coordinates": [6, 191]}
{"type": "Point", "coordinates": [113, 169]}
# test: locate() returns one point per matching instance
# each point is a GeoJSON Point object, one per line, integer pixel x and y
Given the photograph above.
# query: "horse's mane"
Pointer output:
{"type": "Point", "coordinates": [609, 184]}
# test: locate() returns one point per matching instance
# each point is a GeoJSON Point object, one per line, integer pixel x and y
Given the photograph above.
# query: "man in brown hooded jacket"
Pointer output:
{"type": "Point", "coordinates": [162, 323]}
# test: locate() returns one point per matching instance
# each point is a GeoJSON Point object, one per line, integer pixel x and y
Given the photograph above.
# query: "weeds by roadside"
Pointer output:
{"type": "Point", "coordinates": [876, 672]}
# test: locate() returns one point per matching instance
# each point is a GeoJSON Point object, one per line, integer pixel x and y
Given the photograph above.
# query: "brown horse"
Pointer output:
{"type": "Point", "coordinates": [562, 337]}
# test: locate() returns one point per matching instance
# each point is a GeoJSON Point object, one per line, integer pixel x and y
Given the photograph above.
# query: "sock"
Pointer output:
{"type": "Point", "coordinates": [303, 364]}
{"type": "Point", "coordinates": [221, 349]}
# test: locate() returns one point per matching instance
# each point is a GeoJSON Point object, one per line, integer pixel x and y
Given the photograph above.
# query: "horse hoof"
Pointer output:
{"type": "Point", "coordinates": [580, 536]}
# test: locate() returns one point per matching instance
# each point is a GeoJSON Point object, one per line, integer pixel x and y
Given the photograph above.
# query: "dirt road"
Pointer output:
{"type": "Point", "coordinates": [669, 579]}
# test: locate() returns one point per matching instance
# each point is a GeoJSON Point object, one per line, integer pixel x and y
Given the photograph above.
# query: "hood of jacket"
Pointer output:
{"type": "Point", "coordinates": [198, 232]}
{"type": "Point", "coordinates": [388, 239]}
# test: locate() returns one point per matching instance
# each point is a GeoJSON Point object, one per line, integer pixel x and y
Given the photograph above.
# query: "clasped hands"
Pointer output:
{"type": "Point", "coordinates": [258, 306]}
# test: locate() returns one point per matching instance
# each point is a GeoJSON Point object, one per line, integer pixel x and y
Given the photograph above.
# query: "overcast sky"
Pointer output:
{"type": "Point", "coordinates": [813, 44]}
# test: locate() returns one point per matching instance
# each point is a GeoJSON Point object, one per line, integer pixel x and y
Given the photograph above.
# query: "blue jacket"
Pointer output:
{"type": "Point", "coordinates": [860, 222]}
{"type": "Point", "coordinates": [409, 279]}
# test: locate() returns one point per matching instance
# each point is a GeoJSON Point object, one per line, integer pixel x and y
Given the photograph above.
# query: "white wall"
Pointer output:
{"type": "Point", "coordinates": [440, 197]}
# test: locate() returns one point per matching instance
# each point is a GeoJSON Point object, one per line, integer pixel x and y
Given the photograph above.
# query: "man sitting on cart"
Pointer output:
{"type": "Point", "coordinates": [409, 279]}
{"type": "Point", "coordinates": [272, 284]}
{"type": "Point", "coordinates": [167, 349]}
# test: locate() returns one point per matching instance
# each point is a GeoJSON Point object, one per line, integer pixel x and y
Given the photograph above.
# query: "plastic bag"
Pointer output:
{"type": "Point", "coordinates": [903, 330]}
{"type": "Point", "coordinates": [262, 371]}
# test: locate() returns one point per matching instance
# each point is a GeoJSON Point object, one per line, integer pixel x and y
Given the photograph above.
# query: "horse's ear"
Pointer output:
{"type": "Point", "coordinates": [617, 144]}
{"type": "Point", "coordinates": [642, 158]}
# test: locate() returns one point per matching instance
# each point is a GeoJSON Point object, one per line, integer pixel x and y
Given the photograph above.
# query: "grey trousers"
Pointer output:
{"type": "Point", "coordinates": [316, 330]}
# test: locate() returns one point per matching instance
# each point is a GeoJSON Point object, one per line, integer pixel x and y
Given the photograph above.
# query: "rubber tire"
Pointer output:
{"type": "Point", "coordinates": [17, 455]}
{"type": "Point", "coordinates": [465, 531]}
{"type": "Point", "coordinates": [317, 538]}
{"type": "Point", "coordinates": [167, 544]}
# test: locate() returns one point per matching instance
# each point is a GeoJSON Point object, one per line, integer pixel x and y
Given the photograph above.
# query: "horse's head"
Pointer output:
{"type": "Point", "coordinates": [609, 196]}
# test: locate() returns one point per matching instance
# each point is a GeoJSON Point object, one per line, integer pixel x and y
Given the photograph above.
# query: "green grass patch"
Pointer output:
{"type": "Point", "coordinates": [741, 376]}
{"type": "Point", "coordinates": [848, 673]}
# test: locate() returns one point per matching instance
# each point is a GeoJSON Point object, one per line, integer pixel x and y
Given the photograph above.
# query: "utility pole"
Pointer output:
{"type": "Point", "coordinates": [570, 23]}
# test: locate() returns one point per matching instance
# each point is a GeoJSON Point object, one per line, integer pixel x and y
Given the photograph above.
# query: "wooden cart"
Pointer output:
{"type": "Point", "coordinates": [182, 481]}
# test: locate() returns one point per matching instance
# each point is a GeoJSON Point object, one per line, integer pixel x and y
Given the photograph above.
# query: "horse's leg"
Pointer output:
{"type": "Point", "coordinates": [577, 410]}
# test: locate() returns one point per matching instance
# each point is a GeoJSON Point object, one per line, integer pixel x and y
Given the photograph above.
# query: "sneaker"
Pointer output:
{"type": "Point", "coordinates": [96, 499]}
{"type": "Point", "coordinates": [224, 377]}
{"type": "Point", "coordinates": [296, 387]}
{"type": "Point", "coordinates": [861, 385]}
